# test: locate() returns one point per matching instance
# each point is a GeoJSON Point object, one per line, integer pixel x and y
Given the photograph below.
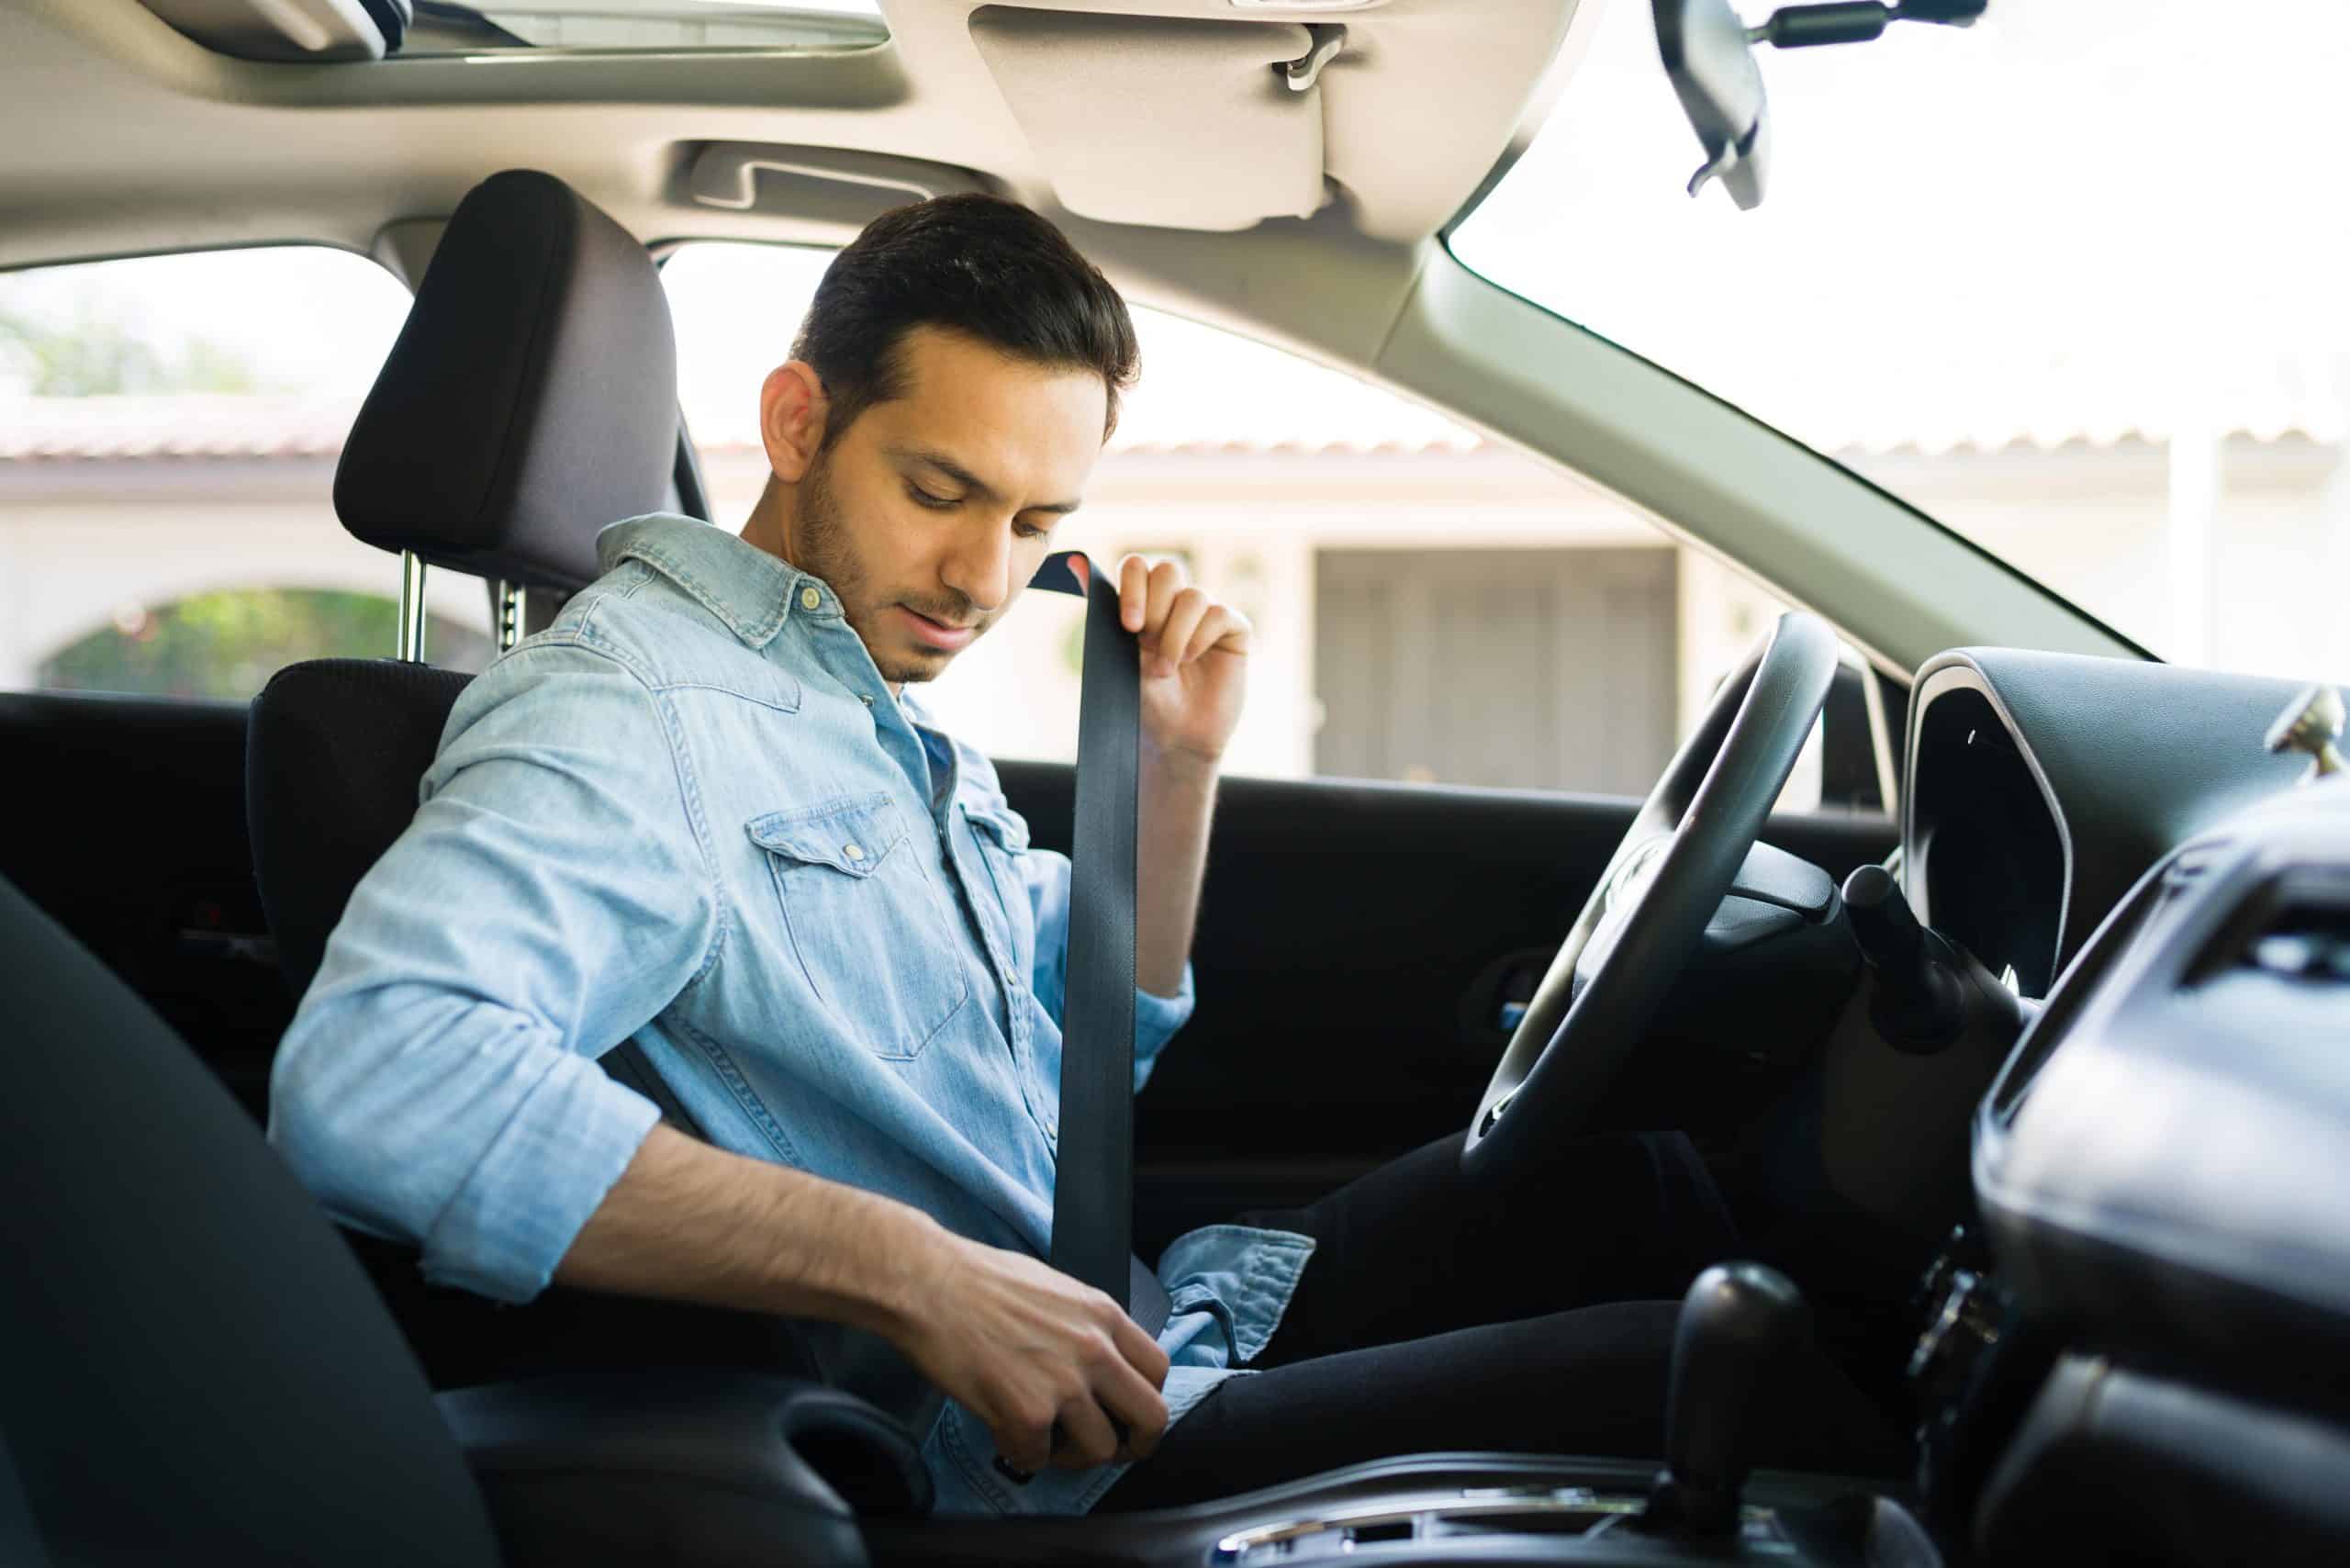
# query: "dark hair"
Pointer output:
{"type": "Point", "coordinates": [975, 265]}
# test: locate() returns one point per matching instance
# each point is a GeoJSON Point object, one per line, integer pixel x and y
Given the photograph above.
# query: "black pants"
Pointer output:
{"type": "Point", "coordinates": [1536, 1320]}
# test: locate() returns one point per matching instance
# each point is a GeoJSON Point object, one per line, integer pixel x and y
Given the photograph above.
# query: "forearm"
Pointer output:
{"type": "Point", "coordinates": [1024, 1347]}
{"type": "Point", "coordinates": [1033, 1352]}
{"type": "Point", "coordinates": [1176, 801]}
{"type": "Point", "coordinates": [692, 1223]}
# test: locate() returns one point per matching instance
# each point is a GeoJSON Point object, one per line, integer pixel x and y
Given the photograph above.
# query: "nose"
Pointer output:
{"type": "Point", "coordinates": [979, 564]}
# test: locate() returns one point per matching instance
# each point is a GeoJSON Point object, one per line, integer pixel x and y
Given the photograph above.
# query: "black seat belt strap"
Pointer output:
{"type": "Point", "coordinates": [626, 1062]}
{"type": "Point", "coordinates": [1094, 1185]}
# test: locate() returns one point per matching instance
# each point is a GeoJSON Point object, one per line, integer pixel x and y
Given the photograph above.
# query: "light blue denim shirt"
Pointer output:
{"type": "Point", "coordinates": [690, 812]}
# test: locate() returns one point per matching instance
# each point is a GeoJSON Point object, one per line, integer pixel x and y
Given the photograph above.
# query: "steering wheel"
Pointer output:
{"type": "Point", "coordinates": [1642, 922]}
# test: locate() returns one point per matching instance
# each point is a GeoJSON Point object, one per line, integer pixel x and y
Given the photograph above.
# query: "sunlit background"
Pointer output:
{"type": "Point", "coordinates": [2062, 280]}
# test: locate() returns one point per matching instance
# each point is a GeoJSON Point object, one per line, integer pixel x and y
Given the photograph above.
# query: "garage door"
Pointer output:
{"type": "Point", "coordinates": [1537, 669]}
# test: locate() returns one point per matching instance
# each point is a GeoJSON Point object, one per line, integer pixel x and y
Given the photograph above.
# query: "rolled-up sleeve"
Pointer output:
{"type": "Point", "coordinates": [1157, 1018]}
{"type": "Point", "coordinates": [551, 897]}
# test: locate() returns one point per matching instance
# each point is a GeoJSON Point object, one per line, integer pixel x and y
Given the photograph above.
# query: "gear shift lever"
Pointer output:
{"type": "Point", "coordinates": [1737, 1319]}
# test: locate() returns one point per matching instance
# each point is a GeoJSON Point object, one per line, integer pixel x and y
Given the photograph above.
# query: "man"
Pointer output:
{"type": "Point", "coordinates": [701, 811]}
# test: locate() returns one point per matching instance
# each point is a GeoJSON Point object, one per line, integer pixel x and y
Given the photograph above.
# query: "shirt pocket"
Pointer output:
{"type": "Point", "coordinates": [865, 920]}
{"type": "Point", "coordinates": [1002, 837]}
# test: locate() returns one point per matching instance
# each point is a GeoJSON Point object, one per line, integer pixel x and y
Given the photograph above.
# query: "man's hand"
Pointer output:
{"type": "Point", "coordinates": [1026, 1348]}
{"type": "Point", "coordinates": [1023, 1345]}
{"type": "Point", "coordinates": [1194, 659]}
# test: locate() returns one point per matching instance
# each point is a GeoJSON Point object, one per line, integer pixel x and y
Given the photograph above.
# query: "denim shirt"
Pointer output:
{"type": "Point", "coordinates": [691, 813]}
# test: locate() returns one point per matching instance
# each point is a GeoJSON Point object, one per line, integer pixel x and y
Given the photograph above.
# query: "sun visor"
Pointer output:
{"type": "Point", "coordinates": [1157, 120]}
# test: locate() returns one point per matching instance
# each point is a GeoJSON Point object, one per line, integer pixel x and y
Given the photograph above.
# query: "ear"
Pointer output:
{"type": "Point", "coordinates": [792, 410]}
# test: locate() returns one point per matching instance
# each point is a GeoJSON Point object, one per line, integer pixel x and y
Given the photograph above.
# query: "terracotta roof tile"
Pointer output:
{"type": "Point", "coordinates": [254, 427]}
{"type": "Point", "coordinates": [2049, 407]}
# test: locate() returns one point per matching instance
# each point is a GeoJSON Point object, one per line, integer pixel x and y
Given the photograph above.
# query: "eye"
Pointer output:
{"type": "Point", "coordinates": [1029, 530]}
{"type": "Point", "coordinates": [923, 497]}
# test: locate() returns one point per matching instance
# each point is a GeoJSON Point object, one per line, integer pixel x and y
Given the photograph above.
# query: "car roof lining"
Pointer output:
{"type": "Point", "coordinates": [126, 137]}
{"type": "Point", "coordinates": [1424, 100]}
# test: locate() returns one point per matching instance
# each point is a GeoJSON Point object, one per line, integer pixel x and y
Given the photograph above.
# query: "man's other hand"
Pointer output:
{"type": "Point", "coordinates": [1028, 1348]}
{"type": "Point", "coordinates": [1194, 658]}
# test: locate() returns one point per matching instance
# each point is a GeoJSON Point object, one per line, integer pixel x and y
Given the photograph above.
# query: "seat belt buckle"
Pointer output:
{"type": "Point", "coordinates": [1020, 1477]}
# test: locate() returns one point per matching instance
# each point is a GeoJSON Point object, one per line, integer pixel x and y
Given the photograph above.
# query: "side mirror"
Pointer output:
{"type": "Point", "coordinates": [1712, 66]}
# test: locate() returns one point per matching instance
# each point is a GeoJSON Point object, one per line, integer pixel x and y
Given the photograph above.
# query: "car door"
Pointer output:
{"type": "Point", "coordinates": [1356, 946]}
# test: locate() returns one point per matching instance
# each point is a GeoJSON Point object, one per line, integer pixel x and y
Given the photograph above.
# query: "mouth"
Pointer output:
{"type": "Point", "coordinates": [935, 633]}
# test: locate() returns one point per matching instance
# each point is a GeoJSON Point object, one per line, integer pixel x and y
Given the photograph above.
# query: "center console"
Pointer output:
{"type": "Point", "coordinates": [712, 1469]}
{"type": "Point", "coordinates": [1703, 1505]}
{"type": "Point", "coordinates": [1446, 1508]}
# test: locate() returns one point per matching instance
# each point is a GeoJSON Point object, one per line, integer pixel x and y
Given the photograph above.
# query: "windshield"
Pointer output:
{"type": "Point", "coordinates": [2069, 281]}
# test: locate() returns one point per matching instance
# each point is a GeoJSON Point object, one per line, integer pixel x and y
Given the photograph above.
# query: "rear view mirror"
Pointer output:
{"type": "Point", "coordinates": [1712, 66]}
{"type": "Point", "coordinates": [1710, 54]}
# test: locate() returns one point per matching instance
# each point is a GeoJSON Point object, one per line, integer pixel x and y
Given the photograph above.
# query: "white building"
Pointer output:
{"type": "Point", "coordinates": [1499, 576]}
{"type": "Point", "coordinates": [1428, 605]}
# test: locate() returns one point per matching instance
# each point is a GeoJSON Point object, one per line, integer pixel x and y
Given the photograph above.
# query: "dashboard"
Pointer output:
{"type": "Point", "coordinates": [2149, 1302]}
{"type": "Point", "coordinates": [2043, 785]}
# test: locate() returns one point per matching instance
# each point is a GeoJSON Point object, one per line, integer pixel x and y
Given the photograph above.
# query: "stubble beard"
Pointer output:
{"type": "Point", "coordinates": [822, 546]}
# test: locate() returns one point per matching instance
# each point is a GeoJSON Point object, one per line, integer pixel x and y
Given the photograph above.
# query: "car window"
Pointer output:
{"type": "Point", "coordinates": [2096, 330]}
{"type": "Point", "coordinates": [169, 428]}
{"type": "Point", "coordinates": [1429, 607]}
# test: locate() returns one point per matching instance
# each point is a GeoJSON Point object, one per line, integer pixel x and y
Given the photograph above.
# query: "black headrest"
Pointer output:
{"type": "Point", "coordinates": [531, 399]}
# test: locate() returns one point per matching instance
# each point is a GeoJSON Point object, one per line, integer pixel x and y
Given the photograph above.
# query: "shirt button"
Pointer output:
{"type": "Point", "coordinates": [809, 599]}
{"type": "Point", "coordinates": [866, 701]}
{"type": "Point", "coordinates": [852, 851]}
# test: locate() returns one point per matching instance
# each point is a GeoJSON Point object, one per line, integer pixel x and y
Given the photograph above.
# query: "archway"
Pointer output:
{"type": "Point", "coordinates": [228, 643]}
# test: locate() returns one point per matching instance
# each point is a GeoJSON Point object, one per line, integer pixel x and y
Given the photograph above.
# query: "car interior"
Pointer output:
{"type": "Point", "coordinates": [2031, 1067]}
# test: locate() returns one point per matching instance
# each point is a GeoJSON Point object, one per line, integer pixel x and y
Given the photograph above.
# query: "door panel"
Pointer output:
{"type": "Point", "coordinates": [1344, 927]}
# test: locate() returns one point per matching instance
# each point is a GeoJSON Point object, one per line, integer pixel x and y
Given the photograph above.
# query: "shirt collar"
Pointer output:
{"type": "Point", "coordinates": [753, 592]}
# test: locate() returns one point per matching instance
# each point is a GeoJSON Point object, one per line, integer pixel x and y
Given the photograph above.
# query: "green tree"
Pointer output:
{"type": "Point", "coordinates": [228, 643]}
{"type": "Point", "coordinates": [95, 357]}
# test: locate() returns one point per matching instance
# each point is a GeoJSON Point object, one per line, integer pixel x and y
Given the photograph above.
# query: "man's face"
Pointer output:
{"type": "Point", "coordinates": [931, 512]}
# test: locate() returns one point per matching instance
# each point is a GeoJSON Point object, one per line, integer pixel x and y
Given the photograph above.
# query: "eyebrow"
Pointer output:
{"type": "Point", "coordinates": [965, 479]}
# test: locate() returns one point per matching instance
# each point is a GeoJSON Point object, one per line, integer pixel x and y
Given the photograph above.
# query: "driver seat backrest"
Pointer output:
{"type": "Point", "coordinates": [192, 1367]}
{"type": "Point", "coordinates": [530, 401]}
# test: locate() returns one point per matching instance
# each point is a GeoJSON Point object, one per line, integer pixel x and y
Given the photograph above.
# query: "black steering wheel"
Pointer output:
{"type": "Point", "coordinates": [1641, 923]}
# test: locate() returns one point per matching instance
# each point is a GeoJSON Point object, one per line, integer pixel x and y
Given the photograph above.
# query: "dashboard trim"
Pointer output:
{"type": "Point", "coordinates": [1943, 674]}
{"type": "Point", "coordinates": [2130, 759]}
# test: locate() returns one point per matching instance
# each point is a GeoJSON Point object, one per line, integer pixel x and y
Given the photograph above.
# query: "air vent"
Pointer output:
{"type": "Point", "coordinates": [2293, 925]}
{"type": "Point", "coordinates": [2304, 941]}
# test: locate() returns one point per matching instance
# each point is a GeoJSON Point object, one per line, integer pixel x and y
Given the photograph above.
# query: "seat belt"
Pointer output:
{"type": "Point", "coordinates": [1093, 1186]}
{"type": "Point", "coordinates": [626, 1062]}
